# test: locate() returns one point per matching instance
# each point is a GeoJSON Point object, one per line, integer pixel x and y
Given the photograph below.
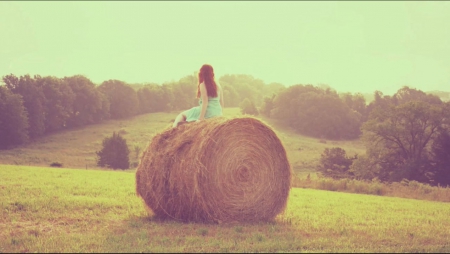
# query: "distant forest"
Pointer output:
{"type": "Point", "coordinates": [34, 106]}
{"type": "Point", "coordinates": [407, 135]}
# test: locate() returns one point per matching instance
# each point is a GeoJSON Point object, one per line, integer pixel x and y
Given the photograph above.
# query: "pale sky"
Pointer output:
{"type": "Point", "coordinates": [351, 46]}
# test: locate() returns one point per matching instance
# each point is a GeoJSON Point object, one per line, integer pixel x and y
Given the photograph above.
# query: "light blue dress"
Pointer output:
{"type": "Point", "coordinates": [213, 109]}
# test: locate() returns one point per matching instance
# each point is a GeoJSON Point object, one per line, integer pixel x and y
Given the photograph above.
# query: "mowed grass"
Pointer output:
{"type": "Point", "coordinates": [77, 210]}
{"type": "Point", "coordinates": [76, 148]}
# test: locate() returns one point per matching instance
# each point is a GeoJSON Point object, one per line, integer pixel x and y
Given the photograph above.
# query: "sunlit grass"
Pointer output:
{"type": "Point", "coordinates": [77, 210]}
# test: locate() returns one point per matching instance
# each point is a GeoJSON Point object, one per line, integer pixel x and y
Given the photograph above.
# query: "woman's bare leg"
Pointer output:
{"type": "Point", "coordinates": [180, 118]}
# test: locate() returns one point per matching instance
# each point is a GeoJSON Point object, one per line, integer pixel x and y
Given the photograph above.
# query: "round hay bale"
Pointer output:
{"type": "Point", "coordinates": [217, 170]}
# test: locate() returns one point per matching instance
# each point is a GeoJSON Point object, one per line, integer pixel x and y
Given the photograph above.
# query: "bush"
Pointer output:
{"type": "Point", "coordinates": [56, 165]}
{"type": "Point", "coordinates": [115, 153]}
{"type": "Point", "coordinates": [248, 107]}
{"type": "Point", "coordinates": [335, 163]}
{"type": "Point", "coordinates": [402, 189]}
{"type": "Point", "coordinates": [366, 168]}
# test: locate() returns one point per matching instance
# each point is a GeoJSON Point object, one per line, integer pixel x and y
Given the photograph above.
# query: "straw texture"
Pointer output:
{"type": "Point", "coordinates": [216, 170]}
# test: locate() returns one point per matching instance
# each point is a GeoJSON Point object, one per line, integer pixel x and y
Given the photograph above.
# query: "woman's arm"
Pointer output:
{"type": "Point", "coordinates": [221, 96]}
{"type": "Point", "coordinates": [204, 96]}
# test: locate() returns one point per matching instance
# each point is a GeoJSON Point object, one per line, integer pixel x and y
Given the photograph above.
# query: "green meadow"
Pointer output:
{"type": "Point", "coordinates": [82, 208]}
{"type": "Point", "coordinates": [76, 210]}
{"type": "Point", "coordinates": [76, 148]}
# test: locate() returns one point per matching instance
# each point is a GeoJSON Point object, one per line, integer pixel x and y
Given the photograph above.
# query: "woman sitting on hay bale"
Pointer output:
{"type": "Point", "coordinates": [210, 98]}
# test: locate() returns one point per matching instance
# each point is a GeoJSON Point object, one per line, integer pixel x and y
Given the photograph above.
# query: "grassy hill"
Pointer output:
{"type": "Point", "coordinates": [77, 210]}
{"type": "Point", "coordinates": [47, 209]}
{"type": "Point", "coordinates": [76, 148]}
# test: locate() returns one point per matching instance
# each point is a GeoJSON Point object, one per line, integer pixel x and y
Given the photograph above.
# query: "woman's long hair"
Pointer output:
{"type": "Point", "coordinates": [206, 75]}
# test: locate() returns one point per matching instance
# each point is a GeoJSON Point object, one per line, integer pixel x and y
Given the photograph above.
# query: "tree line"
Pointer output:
{"type": "Point", "coordinates": [407, 136]}
{"type": "Point", "coordinates": [31, 107]}
{"type": "Point", "coordinates": [317, 111]}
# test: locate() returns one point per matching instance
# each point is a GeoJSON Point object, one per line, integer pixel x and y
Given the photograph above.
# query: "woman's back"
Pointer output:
{"type": "Point", "coordinates": [214, 108]}
{"type": "Point", "coordinates": [207, 88]}
{"type": "Point", "coordinates": [217, 98]}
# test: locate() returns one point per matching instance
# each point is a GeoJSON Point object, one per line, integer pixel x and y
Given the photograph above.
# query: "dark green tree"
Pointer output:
{"type": "Point", "coordinates": [403, 95]}
{"type": "Point", "coordinates": [103, 113]}
{"type": "Point", "coordinates": [146, 100]}
{"type": "Point", "coordinates": [441, 158]}
{"type": "Point", "coordinates": [114, 153]}
{"type": "Point", "coordinates": [398, 138]}
{"type": "Point", "coordinates": [440, 151]}
{"type": "Point", "coordinates": [13, 119]}
{"type": "Point", "coordinates": [59, 102]}
{"type": "Point", "coordinates": [33, 100]}
{"type": "Point", "coordinates": [87, 103]}
{"type": "Point", "coordinates": [317, 112]}
{"type": "Point", "coordinates": [122, 98]}
{"type": "Point", "coordinates": [151, 99]}
{"type": "Point", "coordinates": [335, 163]}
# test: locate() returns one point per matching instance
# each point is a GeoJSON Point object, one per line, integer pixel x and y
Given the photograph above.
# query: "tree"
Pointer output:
{"type": "Point", "coordinates": [403, 95]}
{"type": "Point", "coordinates": [356, 102]}
{"type": "Point", "coordinates": [34, 101]}
{"type": "Point", "coordinates": [406, 94]}
{"type": "Point", "coordinates": [122, 98]}
{"type": "Point", "coordinates": [273, 89]}
{"type": "Point", "coordinates": [380, 102]}
{"type": "Point", "coordinates": [267, 105]}
{"type": "Point", "coordinates": [87, 101]}
{"type": "Point", "coordinates": [184, 93]}
{"type": "Point", "coordinates": [230, 95]}
{"type": "Point", "coordinates": [441, 158]}
{"type": "Point", "coordinates": [399, 137]}
{"type": "Point", "coordinates": [316, 112]}
{"type": "Point", "coordinates": [103, 112]}
{"type": "Point", "coordinates": [166, 98]}
{"type": "Point", "coordinates": [444, 96]}
{"type": "Point", "coordinates": [146, 100]}
{"type": "Point", "coordinates": [365, 167]}
{"type": "Point", "coordinates": [248, 107]}
{"type": "Point", "coordinates": [149, 98]}
{"type": "Point", "coordinates": [13, 119]}
{"type": "Point", "coordinates": [59, 102]}
{"type": "Point", "coordinates": [241, 87]}
{"type": "Point", "coordinates": [334, 163]}
{"type": "Point", "coordinates": [114, 153]}
{"type": "Point", "coordinates": [440, 151]}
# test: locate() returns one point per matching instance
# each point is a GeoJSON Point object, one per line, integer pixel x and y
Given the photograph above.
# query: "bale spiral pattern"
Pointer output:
{"type": "Point", "coordinates": [217, 170]}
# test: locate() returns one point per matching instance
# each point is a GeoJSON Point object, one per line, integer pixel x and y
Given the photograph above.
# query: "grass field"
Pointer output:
{"type": "Point", "coordinates": [72, 209]}
{"type": "Point", "coordinates": [76, 148]}
{"type": "Point", "coordinates": [77, 210]}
